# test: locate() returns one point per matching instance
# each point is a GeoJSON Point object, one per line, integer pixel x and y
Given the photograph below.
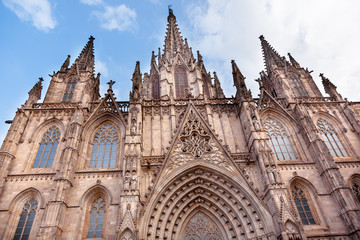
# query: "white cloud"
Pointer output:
{"type": "Point", "coordinates": [101, 68]}
{"type": "Point", "coordinates": [36, 11]}
{"type": "Point", "coordinates": [92, 2]}
{"type": "Point", "coordinates": [119, 18]}
{"type": "Point", "coordinates": [320, 34]}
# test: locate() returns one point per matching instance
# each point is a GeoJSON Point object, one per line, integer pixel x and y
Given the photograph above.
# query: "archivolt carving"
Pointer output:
{"type": "Point", "coordinates": [202, 189]}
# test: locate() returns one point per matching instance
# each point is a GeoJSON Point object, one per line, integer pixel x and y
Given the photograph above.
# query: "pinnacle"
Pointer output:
{"type": "Point", "coordinates": [272, 58]}
{"type": "Point", "coordinates": [85, 60]}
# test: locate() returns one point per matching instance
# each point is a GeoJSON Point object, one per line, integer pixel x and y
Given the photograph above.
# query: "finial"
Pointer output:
{"type": "Point", "coordinates": [41, 79]}
{"type": "Point", "coordinates": [91, 38]}
{"type": "Point", "coordinates": [111, 83]}
{"type": "Point", "coordinates": [261, 37]}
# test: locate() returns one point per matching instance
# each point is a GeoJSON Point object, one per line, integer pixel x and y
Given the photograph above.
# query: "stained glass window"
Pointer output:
{"type": "Point", "coordinates": [302, 206]}
{"type": "Point", "coordinates": [96, 222]}
{"type": "Point", "coordinates": [104, 148]}
{"type": "Point", "coordinates": [331, 139]}
{"type": "Point", "coordinates": [69, 90]}
{"type": "Point", "coordinates": [181, 84]}
{"type": "Point", "coordinates": [46, 153]}
{"type": "Point", "coordinates": [26, 220]}
{"type": "Point", "coordinates": [279, 140]}
{"type": "Point", "coordinates": [356, 190]}
{"type": "Point", "coordinates": [200, 227]}
{"type": "Point", "coordinates": [155, 87]}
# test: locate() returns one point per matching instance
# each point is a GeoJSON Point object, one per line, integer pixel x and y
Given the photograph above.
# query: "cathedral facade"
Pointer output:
{"type": "Point", "coordinates": [179, 160]}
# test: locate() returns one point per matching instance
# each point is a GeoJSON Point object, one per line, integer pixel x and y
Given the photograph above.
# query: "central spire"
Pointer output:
{"type": "Point", "coordinates": [85, 61]}
{"type": "Point", "coordinates": [174, 42]}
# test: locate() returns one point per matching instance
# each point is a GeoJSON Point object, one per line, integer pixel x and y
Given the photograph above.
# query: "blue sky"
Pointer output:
{"type": "Point", "coordinates": [37, 35]}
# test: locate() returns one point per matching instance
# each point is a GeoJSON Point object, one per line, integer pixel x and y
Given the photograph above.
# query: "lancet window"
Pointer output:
{"type": "Point", "coordinates": [302, 205]}
{"type": "Point", "coordinates": [104, 148]}
{"type": "Point", "coordinates": [26, 220]}
{"type": "Point", "coordinates": [200, 227]}
{"type": "Point", "coordinates": [181, 84]}
{"type": "Point", "coordinates": [69, 90]}
{"type": "Point", "coordinates": [47, 149]}
{"type": "Point", "coordinates": [279, 140]}
{"type": "Point", "coordinates": [331, 139]}
{"type": "Point", "coordinates": [155, 87]}
{"type": "Point", "coordinates": [355, 187]}
{"type": "Point", "coordinates": [96, 221]}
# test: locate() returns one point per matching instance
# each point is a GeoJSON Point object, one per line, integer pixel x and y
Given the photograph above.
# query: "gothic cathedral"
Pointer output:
{"type": "Point", "coordinates": [179, 160]}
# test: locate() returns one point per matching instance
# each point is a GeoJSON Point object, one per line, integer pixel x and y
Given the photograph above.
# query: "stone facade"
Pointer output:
{"type": "Point", "coordinates": [179, 160]}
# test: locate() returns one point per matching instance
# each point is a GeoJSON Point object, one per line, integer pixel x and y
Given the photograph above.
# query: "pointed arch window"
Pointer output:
{"type": "Point", "coordinates": [355, 187]}
{"type": "Point", "coordinates": [96, 221]}
{"type": "Point", "coordinates": [104, 148]}
{"type": "Point", "coordinates": [200, 227]}
{"type": "Point", "coordinates": [69, 90]}
{"type": "Point", "coordinates": [155, 87]}
{"type": "Point", "coordinates": [331, 139]}
{"type": "Point", "coordinates": [302, 205]}
{"type": "Point", "coordinates": [26, 220]}
{"type": "Point", "coordinates": [181, 84]}
{"type": "Point", "coordinates": [279, 140]}
{"type": "Point", "coordinates": [47, 149]}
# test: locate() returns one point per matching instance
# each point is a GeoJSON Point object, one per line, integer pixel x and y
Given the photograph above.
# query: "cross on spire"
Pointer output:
{"type": "Point", "coordinates": [111, 83]}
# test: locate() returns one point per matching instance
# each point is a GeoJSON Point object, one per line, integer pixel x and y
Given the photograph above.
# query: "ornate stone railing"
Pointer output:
{"type": "Point", "coordinates": [315, 99]}
{"type": "Point", "coordinates": [55, 105]}
{"type": "Point", "coordinates": [123, 106]}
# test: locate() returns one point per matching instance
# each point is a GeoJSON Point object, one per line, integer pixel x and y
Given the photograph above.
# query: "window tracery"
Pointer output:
{"type": "Point", "coordinates": [194, 138]}
{"type": "Point", "coordinates": [279, 140]}
{"type": "Point", "coordinates": [26, 220]}
{"type": "Point", "coordinates": [200, 227]}
{"type": "Point", "coordinates": [302, 205]}
{"type": "Point", "coordinates": [155, 87]}
{"type": "Point", "coordinates": [69, 90]}
{"type": "Point", "coordinates": [47, 149]}
{"type": "Point", "coordinates": [96, 222]}
{"type": "Point", "coordinates": [331, 139]}
{"type": "Point", "coordinates": [181, 84]}
{"type": "Point", "coordinates": [104, 148]}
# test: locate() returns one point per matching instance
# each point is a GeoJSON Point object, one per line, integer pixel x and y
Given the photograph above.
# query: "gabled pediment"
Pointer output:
{"type": "Point", "coordinates": [107, 105]}
{"type": "Point", "coordinates": [267, 101]}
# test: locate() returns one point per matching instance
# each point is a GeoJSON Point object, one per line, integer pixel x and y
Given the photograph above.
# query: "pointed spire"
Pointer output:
{"type": "Point", "coordinates": [65, 65]}
{"type": "Point", "coordinates": [239, 82]}
{"type": "Point", "coordinates": [34, 93]}
{"type": "Point", "coordinates": [217, 84]}
{"type": "Point", "coordinates": [153, 58]}
{"type": "Point", "coordinates": [137, 83]}
{"type": "Point", "coordinates": [293, 61]}
{"type": "Point", "coordinates": [330, 88]}
{"type": "Point", "coordinates": [174, 42]}
{"type": "Point", "coordinates": [272, 59]}
{"type": "Point", "coordinates": [159, 56]}
{"type": "Point", "coordinates": [36, 90]}
{"type": "Point", "coordinates": [85, 61]}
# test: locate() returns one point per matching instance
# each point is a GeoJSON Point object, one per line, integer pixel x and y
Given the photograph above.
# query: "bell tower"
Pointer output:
{"type": "Point", "coordinates": [78, 83]}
